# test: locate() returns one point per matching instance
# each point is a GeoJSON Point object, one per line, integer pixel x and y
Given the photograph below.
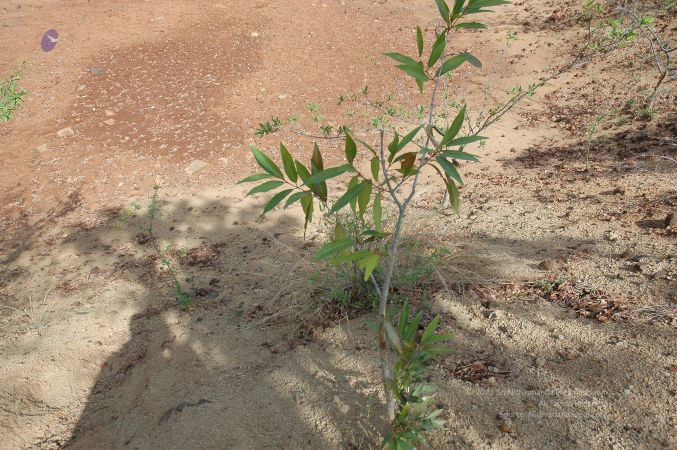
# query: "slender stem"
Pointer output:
{"type": "Point", "coordinates": [386, 368]}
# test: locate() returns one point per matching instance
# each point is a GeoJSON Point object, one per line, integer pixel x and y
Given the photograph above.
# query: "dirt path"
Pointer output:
{"type": "Point", "coordinates": [555, 346]}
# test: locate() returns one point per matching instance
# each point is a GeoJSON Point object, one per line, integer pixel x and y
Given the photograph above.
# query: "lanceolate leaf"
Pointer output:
{"type": "Point", "coordinates": [392, 147]}
{"type": "Point", "coordinates": [340, 232]}
{"type": "Point", "coordinates": [353, 182]}
{"type": "Point", "coordinates": [265, 187]}
{"type": "Point", "coordinates": [404, 317]}
{"type": "Point", "coordinates": [430, 330]}
{"type": "Point", "coordinates": [375, 167]}
{"type": "Point", "coordinates": [415, 71]}
{"type": "Point", "coordinates": [412, 327]}
{"type": "Point", "coordinates": [364, 197]}
{"type": "Point", "coordinates": [350, 194]}
{"type": "Point", "coordinates": [408, 160]}
{"type": "Point", "coordinates": [392, 336]}
{"type": "Point", "coordinates": [400, 58]}
{"type": "Point", "coordinates": [316, 163]}
{"type": "Point", "coordinates": [477, 6]}
{"type": "Point", "coordinates": [449, 169]}
{"type": "Point", "coordinates": [438, 49]}
{"type": "Point", "coordinates": [471, 25]}
{"type": "Point", "coordinates": [368, 264]}
{"type": "Point", "coordinates": [265, 162]}
{"type": "Point", "coordinates": [307, 205]}
{"type": "Point", "coordinates": [460, 155]}
{"type": "Point", "coordinates": [465, 140]}
{"type": "Point", "coordinates": [409, 137]}
{"type": "Point", "coordinates": [444, 9]}
{"type": "Point", "coordinates": [454, 196]}
{"type": "Point", "coordinates": [350, 257]}
{"type": "Point", "coordinates": [288, 163]}
{"type": "Point", "coordinates": [458, 5]}
{"type": "Point", "coordinates": [472, 60]}
{"type": "Point", "coordinates": [302, 172]}
{"type": "Point", "coordinates": [333, 247]}
{"type": "Point", "coordinates": [277, 198]}
{"type": "Point", "coordinates": [378, 213]}
{"type": "Point", "coordinates": [455, 127]}
{"type": "Point", "coordinates": [452, 63]}
{"type": "Point", "coordinates": [295, 197]}
{"type": "Point", "coordinates": [419, 41]}
{"type": "Point", "coordinates": [332, 172]}
{"type": "Point", "coordinates": [255, 177]}
{"type": "Point", "coordinates": [351, 149]}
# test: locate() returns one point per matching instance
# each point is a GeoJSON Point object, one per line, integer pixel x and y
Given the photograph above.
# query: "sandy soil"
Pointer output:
{"type": "Point", "coordinates": [560, 287]}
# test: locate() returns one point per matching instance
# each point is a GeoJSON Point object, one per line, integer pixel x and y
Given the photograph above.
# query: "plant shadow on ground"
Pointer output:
{"type": "Point", "coordinates": [247, 367]}
{"type": "Point", "coordinates": [651, 147]}
{"type": "Point", "coordinates": [236, 372]}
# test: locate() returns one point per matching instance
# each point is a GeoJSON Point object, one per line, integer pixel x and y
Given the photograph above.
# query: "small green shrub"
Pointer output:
{"type": "Point", "coordinates": [11, 96]}
{"type": "Point", "coordinates": [364, 239]}
{"type": "Point", "coordinates": [144, 219]}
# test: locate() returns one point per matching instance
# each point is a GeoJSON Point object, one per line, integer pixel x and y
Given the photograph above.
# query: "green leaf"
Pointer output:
{"type": "Point", "coordinates": [477, 6]}
{"type": "Point", "coordinates": [455, 127]}
{"type": "Point", "coordinates": [404, 317]}
{"type": "Point", "coordinates": [347, 197]}
{"type": "Point", "coordinates": [472, 60]}
{"type": "Point", "coordinates": [288, 163]}
{"type": "Point", "coordinates": [438, 49]}
{"type": "Point", "coordinates": [316, 166]}
{"type": "Point", "coordinates": [353, 182]}
{"type": "Point", "coordinates": [350, 257]}
{"type": "Point", "coordinates": [307, 205]}
{"type": "Point", "coordinates": [449, 168]}
{"type": "Point", "coordinates": [375, 167]}
{"type": "Point", "coordinates": [391, 335]}
{"type": "Point", "coordinates": [277, 198]}
{"type": "Point", "coordinates": [339, 232]}
{"type": "Point", "coordinates": [316, 163]}
{"type": "Point", "coordinates": [409, 137]}
{"type": "Point", "coordinates": [295, 197]}
{"type": "Point", "coordinates": [265, 187]}
{"type": "Point", "coordinates": [332, 172]}
{"type": "Point", "coordinates": [255, 177]}
{"type": "Point", "coordinates": [351, 149]}
{"type": "Point", "coordinates": [400, 58]}
{"type": "Point", "coordinates": [472, 25]}
{"type": "Point", "coordinates": [419, 40]}
{"type": "Point", "coordinates": [368, 264]}
{"type": "Point", "coordinates": [392, 147]}
{"type": "Point", "coordinates": [444, 10]}
{"type": "Point", "coordinates": [454, 196]}
{"type": "Point", "coordinates": [458, 5]}
{"type": "Point", "coordinates": [364, 197]}
{"type": "Point", "coordinates": [415, 71]}
{"type": "Point", "coordinates": [466, 140]}
{"type": "Point", "coordinates": [333, 247]}
{"type": "Point", "coordinates": [302, 171]}
{"type": "Point", "coordinates": [441, 337]}
{"type": "Point", "coordinates": [266, 163]}
{"type": "Point", "coordinates": [412, 327]}
{"type": "Point", "coordinates": [452, 63]}
{"type": "Point", "coordinates": [378, 213]}
{"type": "Point", "coordinates": [459, 155]}
{"type": "Point", "coordinates": [430, 329]}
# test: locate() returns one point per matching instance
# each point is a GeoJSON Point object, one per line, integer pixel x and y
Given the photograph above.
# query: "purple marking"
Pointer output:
{"type": "Point", "coordinates": [49, 40]}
